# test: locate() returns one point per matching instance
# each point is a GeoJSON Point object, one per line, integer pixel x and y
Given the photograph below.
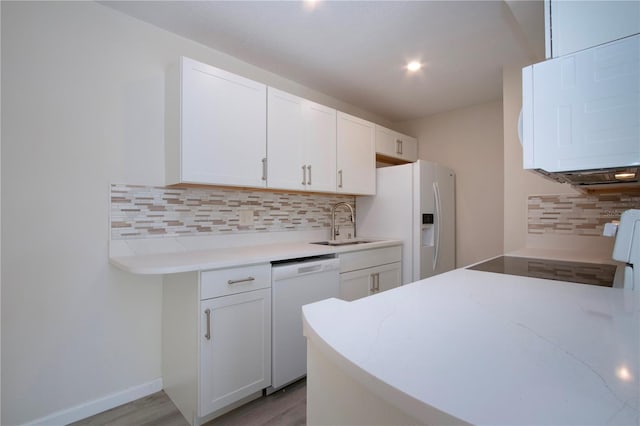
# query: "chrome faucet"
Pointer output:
{"type": "Point", "coordinates": [335, 230]}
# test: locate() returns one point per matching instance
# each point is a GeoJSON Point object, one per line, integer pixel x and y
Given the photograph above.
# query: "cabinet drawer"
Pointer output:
{"type": "Point", "coordinates": [368, 258]}
{"type": "Point", "coordinates": [222, 282]}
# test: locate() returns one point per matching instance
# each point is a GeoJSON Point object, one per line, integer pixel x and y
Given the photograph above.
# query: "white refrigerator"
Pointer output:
{"type": "Point", "coordinates": [414, 203]}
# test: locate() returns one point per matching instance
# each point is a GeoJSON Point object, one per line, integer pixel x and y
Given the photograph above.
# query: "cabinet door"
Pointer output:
{"type": "Point", "coordinates": [355, 285]}
{"type": "Point", "coordinates": [581, 111]}
{"type": "Point", "coordinates": [223, 127]}
{"type": "Point", "coordinates": [409, 148]}
{"type": "Point", "coordinates": [235, 355]}
{"type": "Point", "coordinates": [356, 155]}
{"type": "Point", "coordinates": [365, 282]}
{"type": "Point", "coordinates": [320, 148]}
{"type": "Point", "coordinates": [396, 145]}
{"type": "Point", "coordinates": [286, 168]}
{"type": "Point", "coordinates": [389, 276]}
{"type": "Point", "coordinates": [577, 25]}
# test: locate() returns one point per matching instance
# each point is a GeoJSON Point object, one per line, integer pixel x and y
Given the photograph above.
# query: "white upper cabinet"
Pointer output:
{"type": "Point", "coordinates": [582, 111]}
{"type": "Point", "coordinates": [320, 123]}
{"type": "Point", "coordinates": [220, 137]}
{"type": "Point", "coordinates": [390, 143]}
{"type": "Point", "coordinates": [301, 143]}
{"type": "Point", "coordinates": [356, 156]}
{"type": "Point", "coordinates": [576, 25]}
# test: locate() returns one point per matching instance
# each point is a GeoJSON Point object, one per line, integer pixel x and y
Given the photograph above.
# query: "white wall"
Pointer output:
{"type": "Point", "coordinates": [83, 106]}
{"type": "Point", "coordinates": [470, 141]}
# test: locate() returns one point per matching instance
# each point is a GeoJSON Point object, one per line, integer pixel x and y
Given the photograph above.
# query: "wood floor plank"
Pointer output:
{"type": "Point", "coordinates": [155, 409]}
{"type": "Point", "coordinates": [287, 407]}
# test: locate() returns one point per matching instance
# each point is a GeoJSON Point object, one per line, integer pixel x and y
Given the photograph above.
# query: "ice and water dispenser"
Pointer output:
{"type": "Point", "coordinates": [428, 228]}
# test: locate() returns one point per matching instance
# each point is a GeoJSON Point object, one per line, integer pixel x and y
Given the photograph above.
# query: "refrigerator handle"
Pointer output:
{"type": "Point", "coordinates": [436, 254]}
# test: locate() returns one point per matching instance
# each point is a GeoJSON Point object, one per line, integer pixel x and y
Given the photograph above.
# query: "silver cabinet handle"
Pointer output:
{"type": "Point", "coordinates": [207, 335]}
{"type": "Point", "coordinates": [309, 169]}
{"type": "Point", "coordinates": [244, 280]}
{"type": "Point", "coordinates": [339, 178]}
{"type": "Point", "coordinates": [264, 168]}
{"type": "Point", "coordinates": [375, 283]}
{"type": "Point", "coordinates": [398, 146]}
{"type": "Point", "coordinates": [304, 175]}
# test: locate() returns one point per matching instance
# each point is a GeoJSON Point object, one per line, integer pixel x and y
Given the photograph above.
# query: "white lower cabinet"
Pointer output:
{"type": "Point", "coordinates": [216, 339]}
{"type": "Point", "coordinates": [366, 272]}
{"type": "Point", "coordinates": [235, 350]}
{"type": "Point", "coordinates": [365, 282]}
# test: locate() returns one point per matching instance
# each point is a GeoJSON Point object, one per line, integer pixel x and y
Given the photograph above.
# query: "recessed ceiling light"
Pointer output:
{"type": "Point", "coordinates": [414, 66]}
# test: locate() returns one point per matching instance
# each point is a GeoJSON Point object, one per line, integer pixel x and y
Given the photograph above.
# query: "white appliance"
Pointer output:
{"type": "Point", "coordinates": [580, 121]}
{"type": "Point", "coordinates": [293, 284]}
{"type": "Point", "coordinates": [627, 248]}
{"type": "Point", "coordinates": [414, 203]}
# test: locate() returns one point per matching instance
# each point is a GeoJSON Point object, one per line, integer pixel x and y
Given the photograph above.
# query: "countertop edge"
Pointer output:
{"type": "Point", "coordinates": [201, 260]}
{"type": "Point", "coordinates": [412, 406]}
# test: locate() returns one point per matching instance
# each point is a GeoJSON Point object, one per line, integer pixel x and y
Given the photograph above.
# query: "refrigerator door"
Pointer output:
{"type": "Point", "coordinates": [444, 195]}
{"type": "Point", "coordinates": [425, 220]}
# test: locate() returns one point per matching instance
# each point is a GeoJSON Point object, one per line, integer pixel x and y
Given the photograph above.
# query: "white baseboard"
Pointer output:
{"type": "Point", "coordinates": [99, 405]}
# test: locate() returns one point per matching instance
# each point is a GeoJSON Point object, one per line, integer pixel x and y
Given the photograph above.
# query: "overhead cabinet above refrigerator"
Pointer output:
{"type": "Point", "coordinates": [392, 145]}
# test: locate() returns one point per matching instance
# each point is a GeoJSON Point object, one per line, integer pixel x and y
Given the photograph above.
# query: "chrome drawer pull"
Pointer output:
{"type": "Point", "coordinates": [304, 175]}
{"type": "Point", "coordinates": [207, 312]}
{"type": "Point", "coordinates": [244, 280]}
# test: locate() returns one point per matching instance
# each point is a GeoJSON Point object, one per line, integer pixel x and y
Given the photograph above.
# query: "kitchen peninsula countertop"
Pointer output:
{"type": "Point", "coordinates": [200, 260]}
{"type": "Point", "coordinates": [485, 348]}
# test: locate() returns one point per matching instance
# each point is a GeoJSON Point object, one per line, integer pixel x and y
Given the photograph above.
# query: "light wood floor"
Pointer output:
{"type": "Point", "coordinates": [287, 407]}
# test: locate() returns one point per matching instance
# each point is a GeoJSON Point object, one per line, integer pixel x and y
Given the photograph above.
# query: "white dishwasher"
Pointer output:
{"type": "Point", "coordinates": [295, 283]}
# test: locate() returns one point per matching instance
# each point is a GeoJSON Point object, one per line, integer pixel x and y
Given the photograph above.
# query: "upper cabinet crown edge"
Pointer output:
{"type": "Point", "coordinates": [226, 130]}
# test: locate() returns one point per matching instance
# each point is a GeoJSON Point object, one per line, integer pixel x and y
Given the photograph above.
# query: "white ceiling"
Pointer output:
{"type": "Point", "coordinates": [356, 51]}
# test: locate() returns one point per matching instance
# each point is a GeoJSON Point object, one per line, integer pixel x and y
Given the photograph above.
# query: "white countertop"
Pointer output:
{"type": "Point", "coordinates": [489, 348]}
{"type": "Point", "coordinates": [199, 260]}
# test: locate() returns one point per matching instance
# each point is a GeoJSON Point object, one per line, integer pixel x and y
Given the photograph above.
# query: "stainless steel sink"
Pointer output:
{"type": "Point", "coordinates": [341, 242]}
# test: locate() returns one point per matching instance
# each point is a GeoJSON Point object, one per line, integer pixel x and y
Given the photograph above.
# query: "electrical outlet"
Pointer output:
{"type": "Point", "coordinates": [246, 217]}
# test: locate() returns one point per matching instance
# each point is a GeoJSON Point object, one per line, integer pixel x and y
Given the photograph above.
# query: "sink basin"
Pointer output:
{"type": "Point", "coordinates": [342, 242]}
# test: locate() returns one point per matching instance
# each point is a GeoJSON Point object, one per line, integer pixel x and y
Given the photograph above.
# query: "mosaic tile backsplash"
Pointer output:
{"type": "Point", "coordinates": [145, 211]}
{"type": "Point", "coordinates": [577, 214]}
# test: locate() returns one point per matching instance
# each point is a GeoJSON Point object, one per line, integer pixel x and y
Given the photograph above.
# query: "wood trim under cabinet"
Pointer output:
{"type": "Point", "coordinates": [380, 158]}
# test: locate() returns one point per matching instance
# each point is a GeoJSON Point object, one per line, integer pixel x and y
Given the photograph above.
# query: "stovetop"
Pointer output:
{"type": "Point", "coordinates": [577, 272]}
